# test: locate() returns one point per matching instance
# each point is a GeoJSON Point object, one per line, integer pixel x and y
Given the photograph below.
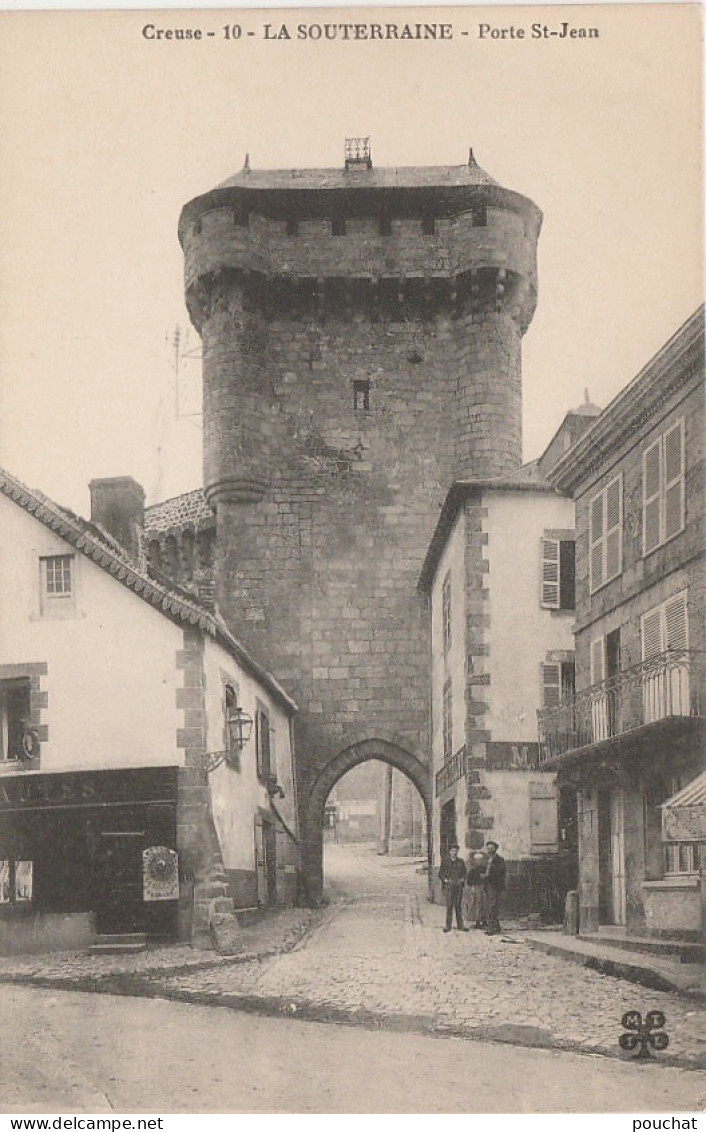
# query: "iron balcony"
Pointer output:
{"type": "Point", "coordinates": [665, 686]}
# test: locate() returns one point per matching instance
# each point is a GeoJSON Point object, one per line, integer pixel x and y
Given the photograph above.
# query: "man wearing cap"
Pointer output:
{"type": "Point", "coordinates": [493, 886]}
{"type": "Point", "coordinates": [452, 875]}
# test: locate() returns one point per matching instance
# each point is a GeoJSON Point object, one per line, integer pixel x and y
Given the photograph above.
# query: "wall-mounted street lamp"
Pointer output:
{"type": "Point", "coordinates": [238, 730]}
{"type": "Point", "coordinates": [239, 727]}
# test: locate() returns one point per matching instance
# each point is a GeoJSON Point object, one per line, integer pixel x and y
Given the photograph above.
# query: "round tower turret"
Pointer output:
{"type": "Point", "coordinates": [412, 244]}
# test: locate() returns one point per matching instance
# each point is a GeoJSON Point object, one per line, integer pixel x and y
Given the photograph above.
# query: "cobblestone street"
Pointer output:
{"type": "Point", "coordinates": [377, 956]}
{"type": "Point", "coordinates": [380, 950]}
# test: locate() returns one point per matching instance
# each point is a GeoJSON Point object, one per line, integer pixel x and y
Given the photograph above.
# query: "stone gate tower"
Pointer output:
{"type": "Point", "coordinates": [361, 336]}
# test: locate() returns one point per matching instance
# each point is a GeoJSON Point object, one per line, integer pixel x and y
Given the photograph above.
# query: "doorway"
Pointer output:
{"type": "Point", "coordinates": [119, 907]}
{"type": "Point", "coordinates": [617, 857]}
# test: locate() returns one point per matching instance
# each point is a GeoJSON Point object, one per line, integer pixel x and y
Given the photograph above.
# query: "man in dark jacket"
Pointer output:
{"type": "Point", "coordinates": [452, 875]}
{"type": "Point", "coordinates": [494, 886]}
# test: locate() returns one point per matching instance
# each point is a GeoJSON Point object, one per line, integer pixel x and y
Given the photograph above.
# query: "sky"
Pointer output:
{"type": "Point", "coordinates": [104, 135]}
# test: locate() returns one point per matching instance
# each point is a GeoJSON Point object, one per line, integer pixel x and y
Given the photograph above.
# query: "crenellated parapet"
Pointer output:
{"type": "Point", "coordinates": [381, 232]}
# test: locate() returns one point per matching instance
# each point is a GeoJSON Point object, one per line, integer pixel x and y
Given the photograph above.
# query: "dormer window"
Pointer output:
{"type": "Point", "coordinates": [338, 226]}
{"type": "Point", "coordinates": [292, 226]}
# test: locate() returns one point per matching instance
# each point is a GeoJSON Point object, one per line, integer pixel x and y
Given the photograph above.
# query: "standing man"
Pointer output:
{"type": "Point", "coordinates": [452, 875]}
{"type": "Point", "coordinates": [494, 886]}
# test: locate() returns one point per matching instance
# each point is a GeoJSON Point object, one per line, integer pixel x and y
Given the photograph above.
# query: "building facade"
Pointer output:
{"type": "Point", "coordinates": [362, 337]}
{"type": "Point", "coordinates": [499, 579]}
{"type": "Point", "coordinates": [632, 735]}
{"type": "Point", "coordinates": [128, 802]}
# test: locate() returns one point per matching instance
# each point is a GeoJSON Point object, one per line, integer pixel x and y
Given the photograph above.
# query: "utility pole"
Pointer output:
{"type": "Point", "coordinates": [385, 810]}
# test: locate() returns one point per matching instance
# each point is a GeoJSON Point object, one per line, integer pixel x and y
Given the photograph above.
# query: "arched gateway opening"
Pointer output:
{"type": "Point", "coordinates": [410, 765]}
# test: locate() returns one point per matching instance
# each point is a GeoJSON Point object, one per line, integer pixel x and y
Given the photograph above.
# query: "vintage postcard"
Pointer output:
{"type": "Point", "coordinates": [352, 624]}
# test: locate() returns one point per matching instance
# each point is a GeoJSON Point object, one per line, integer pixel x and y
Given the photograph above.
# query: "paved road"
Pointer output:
{"type": "Point", "coordinates": [80, 1053]}
{"type": "Point", "coordinates": [381, 950]}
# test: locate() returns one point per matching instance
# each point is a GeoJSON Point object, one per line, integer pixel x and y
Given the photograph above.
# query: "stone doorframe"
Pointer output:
{"type": "Point", "coordinates": [360, 752]}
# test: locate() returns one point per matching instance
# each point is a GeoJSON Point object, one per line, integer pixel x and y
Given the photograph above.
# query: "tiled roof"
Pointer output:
{"type": "Point", "coordinates": [407, 177]}
{"type": "Point", "coordinates": [97, 545]}
{"type": "Point", "coordinates": [188, 510]}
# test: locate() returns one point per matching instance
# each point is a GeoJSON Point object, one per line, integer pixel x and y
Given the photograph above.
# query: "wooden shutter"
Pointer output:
{"type": "Point", "coordinates": [651, 490]}
{"type": "Point", "coordinates": [567, 574]}
{"type": "Point", "coordinates": [613, 528]}
{"type": "Point", "coordinates": [674, 480]}
{"type": "Point", "coordinates": [262, 742]}
{"type": "Point", "coordinates": [675, 623]}
{"type": "Point", "coordinates": [596, 541]}
{"type": "Point", "coordinates": [260, 866]}
{"type": "Point", "coordinates": [598, 660]}
{"type": "Point", "coordinates": [551, 685]}
{"type": "Point", "coordinates": [549, 596]}
{"type": "Point", "coordinates": [543, 817]}
{"type": "Point", "coordinates": [652, 633]}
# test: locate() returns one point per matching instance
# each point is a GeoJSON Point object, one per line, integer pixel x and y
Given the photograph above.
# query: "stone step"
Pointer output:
{"type": "Point", "coordinates": [650, 945]}
{"type": "Point", "coordinates": [118, 943]}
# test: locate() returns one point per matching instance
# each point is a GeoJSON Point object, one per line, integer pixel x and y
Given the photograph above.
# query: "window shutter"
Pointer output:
{"type": "Point", "coordinates": [550, 574]}
{"type": "Point", "coordinates": [674, 480]}
{"type": "Point", "coordinates": [652, 634]}
{"type": "Point", "coordinates": [596, 541]}
{"type": "Point", "coordinates": [265, 737]}
{"type": "Point", "coordinates": [551, 685]}
{"type": "Point", "coordinates": [567, 574]}
{"type": "Point", "coordinates": [651, 482]}
{"type": "Point", "coordinates": [543, 818]}
{"type": "Point", "coordinates": [598, 660]}
{"type": "Point", "coordinates": [676, 627]}
{"type": "Point", "coordinates": [613, 513]}
{"type": "Point", "coordinates": [260, 871]}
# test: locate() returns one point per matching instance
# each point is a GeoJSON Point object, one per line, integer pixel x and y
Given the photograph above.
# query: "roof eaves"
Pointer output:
{"type": "Point", "coordinates": [175, 606]}
{"type": "Point", "coordinates": [665, 372]}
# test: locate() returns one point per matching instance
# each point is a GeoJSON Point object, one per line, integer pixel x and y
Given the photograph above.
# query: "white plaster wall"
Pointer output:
{"type": "Point", "coordinates": [510, 806]}
{"type": "Point", "coordinates": [237, 794]}
{"type": "Point", "coordinates": [112, 674]}
{"type": "Point", "coordinates": [521, 632]}
{"type": "Point", "coordinates": [451, 665]}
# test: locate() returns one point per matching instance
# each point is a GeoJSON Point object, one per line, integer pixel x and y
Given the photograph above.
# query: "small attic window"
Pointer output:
{"type": "Point", "coordinates": [428, 225]}
{"type": "Point", "coordinates": [338, 226]}
{"type": "Point", "coordinates": [385, 226]}
{"type": "Point", "coordinates": [479, 216]}
{"type": "Point", "coordinates": [292, 226]}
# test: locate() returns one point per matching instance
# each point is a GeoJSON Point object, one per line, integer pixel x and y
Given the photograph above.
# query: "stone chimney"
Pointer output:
{"type": "Point", "coordinates": [118, 506]}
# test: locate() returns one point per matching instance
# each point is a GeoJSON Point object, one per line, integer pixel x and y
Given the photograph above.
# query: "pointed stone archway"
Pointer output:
{"type": "Point", "coordinates": [312, 842]}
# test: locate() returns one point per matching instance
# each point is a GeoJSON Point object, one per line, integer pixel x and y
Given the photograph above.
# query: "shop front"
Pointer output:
{"type": "Point", "coordinates": [86, 853]}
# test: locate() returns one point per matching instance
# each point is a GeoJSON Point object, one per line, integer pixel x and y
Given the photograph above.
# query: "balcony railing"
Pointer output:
{"type": "Point", "coordinates": [666, 685]}
{"type": "Point", "coordinates": [451, 771]}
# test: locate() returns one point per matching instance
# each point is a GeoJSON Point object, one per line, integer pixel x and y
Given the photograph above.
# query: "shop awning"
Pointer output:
{"type": "Point", "coordinates": [684, 814]}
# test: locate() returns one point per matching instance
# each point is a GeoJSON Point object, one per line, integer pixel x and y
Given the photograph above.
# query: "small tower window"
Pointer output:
{"type": "Point", "coordinates": [361, 396]}
{"type": "Point", "coordinates": [479, 216]}
{"type": "Point", "coordinates": [292, 226]}
{"type": "Point", "coordinates": [241, 218]}
{"type": "Point", "coordinates": [338, 226]}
